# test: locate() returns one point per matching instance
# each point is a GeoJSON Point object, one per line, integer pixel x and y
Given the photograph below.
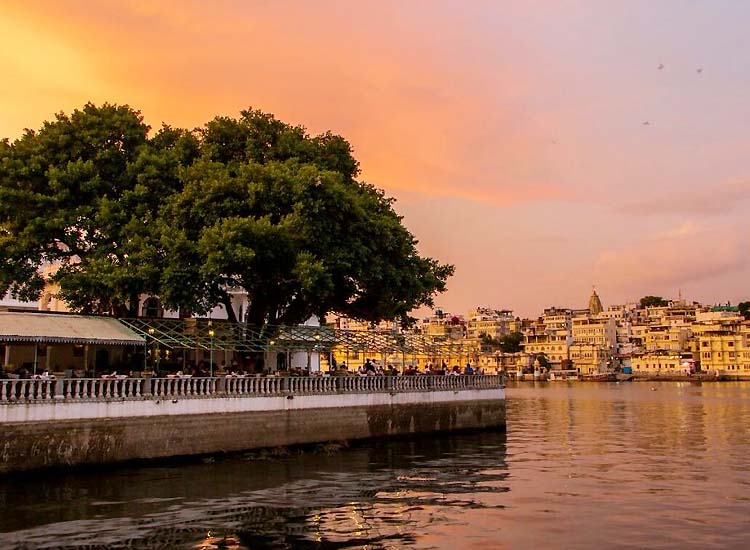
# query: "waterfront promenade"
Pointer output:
{"type": "Point", "coordinates": [66, 421]}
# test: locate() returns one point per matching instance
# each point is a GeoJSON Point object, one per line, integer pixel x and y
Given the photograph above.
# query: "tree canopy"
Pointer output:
{"type": "Point", "coordinates": [250, 204]}
{"type": "Point", "coordinates": [653, 301]}
{"type": "Point", "coordinates": [508, 343]}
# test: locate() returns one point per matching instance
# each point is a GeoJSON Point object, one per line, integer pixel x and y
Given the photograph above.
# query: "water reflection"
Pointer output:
{"type": "Point", "coordinates": [582, 466]}
{"type": "Point", "coordinates": [378, 496]}
{"type": "Point", "coordinates": [661, 468]}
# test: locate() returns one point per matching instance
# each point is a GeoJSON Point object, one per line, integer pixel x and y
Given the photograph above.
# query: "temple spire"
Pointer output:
{"type": "Point", "coordinates": [595, 304]}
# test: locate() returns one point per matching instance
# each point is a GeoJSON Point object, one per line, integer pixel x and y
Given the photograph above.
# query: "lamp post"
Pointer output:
{"type": "Point", "coordinates": [211, 363]}
{"type": "Point", "coordinates": [268, 353]}
{"type": "Point", "coordinates": [317, 350]}
{"type": "Point", "coordinates": [145, 355]}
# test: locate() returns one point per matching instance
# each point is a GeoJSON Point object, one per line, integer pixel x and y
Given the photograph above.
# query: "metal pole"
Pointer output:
{"type": "Point", "coordinates": [211, 355]}
{"type": "Point", "coordinates": [36, 356]}
{"type": "Point", "coordinates": [145, 358]}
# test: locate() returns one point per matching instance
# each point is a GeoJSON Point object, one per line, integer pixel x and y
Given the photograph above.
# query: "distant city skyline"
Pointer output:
{"type": "Point", "coordinates": [542, 148]}
{"type": "Point", "coordinates": [577, 306]}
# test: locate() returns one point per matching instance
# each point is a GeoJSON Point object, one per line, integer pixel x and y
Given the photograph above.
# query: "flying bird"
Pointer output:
{"type": "Point", "coordinates": [646, 123]}
{"type": "Point", "coordinates": [661, 66]}
{"type": "Point", "coordinates": [700, 70]}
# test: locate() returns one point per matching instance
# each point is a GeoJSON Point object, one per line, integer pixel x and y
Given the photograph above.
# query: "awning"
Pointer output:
{"type": "Point", "coordinates": [46, 328]}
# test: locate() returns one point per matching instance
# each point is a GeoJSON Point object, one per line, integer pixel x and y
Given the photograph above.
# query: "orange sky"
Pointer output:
{"type": "Point", "coordinates": [511, 133]}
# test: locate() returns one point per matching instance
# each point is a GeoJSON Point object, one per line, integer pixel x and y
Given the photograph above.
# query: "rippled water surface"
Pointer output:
{"type": "Point", "coordinates": [581, 466]}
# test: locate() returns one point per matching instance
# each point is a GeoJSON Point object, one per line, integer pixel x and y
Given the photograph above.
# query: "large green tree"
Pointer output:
{"type": "Point", "coordinates": [82, 194]}
{"type": "Point", "coordinates": [250, 204]}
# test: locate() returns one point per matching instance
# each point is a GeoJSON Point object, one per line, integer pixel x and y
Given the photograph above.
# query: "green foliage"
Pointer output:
{"type": "Point", "coordinates": [543, 361]}
{"type": "Point", "coordinates": [652, 301]}
{"type": "Point", "coordinates": [744, 309]}
{"type": "Point", "coordinates": [510, 343]}
{"type": "Point", "coordinates": [251, 204]}
{"type": "Point", "coordinates": [69, 195]}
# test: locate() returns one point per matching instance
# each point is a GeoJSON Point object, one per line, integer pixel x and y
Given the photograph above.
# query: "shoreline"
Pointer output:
{"type": "Point", "coordinates": [675, 378]}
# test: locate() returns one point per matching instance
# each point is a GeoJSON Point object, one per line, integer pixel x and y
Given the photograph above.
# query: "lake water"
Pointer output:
{"type": "Point", "coordinates": [581, 466]}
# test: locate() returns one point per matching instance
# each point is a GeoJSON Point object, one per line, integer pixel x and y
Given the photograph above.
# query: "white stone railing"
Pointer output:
{"type": "Point", "coordinates": [241, 386]}
{"type": "Point", "coordinates": [100, 388]}
{"type": "Point", "coordinates": [80, 389]}
{"type": "Point", "coordinates": [27, 390]}
{"type": "Point", "coordinates": [184, 387]}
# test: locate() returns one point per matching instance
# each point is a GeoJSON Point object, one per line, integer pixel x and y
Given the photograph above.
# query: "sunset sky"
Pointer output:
{"type": "Point", "coordinates": [511, 133]}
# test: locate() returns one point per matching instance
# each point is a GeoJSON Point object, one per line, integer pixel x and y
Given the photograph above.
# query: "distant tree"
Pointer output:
{"type": "Point", "coordinates": [251, 204]}
{"type": "Point", "coordinates": [543, 361]}
{"type": "Point", "coordinates": [511, 343]}
{"type": "Point", "coordinates": [489, 341]}
{"type": "Point", "coordinates": [744, 309]}
{"type": "Point", "coordinates": [653, 301]}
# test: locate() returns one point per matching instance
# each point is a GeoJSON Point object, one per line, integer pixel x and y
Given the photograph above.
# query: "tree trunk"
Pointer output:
{"type": "Point", "coordinates": [226, 301]}
{"type": "Point", "coordinates": [133, 305]}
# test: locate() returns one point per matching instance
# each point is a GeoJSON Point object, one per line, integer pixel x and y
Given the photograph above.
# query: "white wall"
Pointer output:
{"type": "Point", "coordinates": [74, 410]}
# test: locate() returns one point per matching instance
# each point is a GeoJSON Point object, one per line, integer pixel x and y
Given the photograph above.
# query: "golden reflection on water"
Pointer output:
{"type": "Point", "coordinates": [664, 468]}
{"type": "Point", "coordinates": [581, 466]}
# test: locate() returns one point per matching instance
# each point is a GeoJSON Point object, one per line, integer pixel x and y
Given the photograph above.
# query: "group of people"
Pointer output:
{"type": "Point", "coordinates": [202, 369]}
{"type": "Point", "coordinates": [369, 368]}
{"type": "Point", "coordinates": [23, 373]}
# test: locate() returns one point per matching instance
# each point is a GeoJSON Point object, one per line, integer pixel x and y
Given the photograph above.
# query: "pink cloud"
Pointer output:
{"type": "Point", "coordinates": [420, 114]}
{"type": "Point", "coordinates": [710, 200]}
{"type": "Point", "coordinates": [683, 255]}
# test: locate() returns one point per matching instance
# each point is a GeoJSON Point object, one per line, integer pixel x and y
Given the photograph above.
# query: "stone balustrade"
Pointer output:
{"type": "Point", "coordinates": [103, 389]}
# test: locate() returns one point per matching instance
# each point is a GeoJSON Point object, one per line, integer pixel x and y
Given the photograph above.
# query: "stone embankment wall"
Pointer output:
{"type": "Point", "coordinates": [71, 430]}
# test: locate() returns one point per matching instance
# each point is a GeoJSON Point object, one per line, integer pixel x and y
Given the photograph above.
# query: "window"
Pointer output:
{"type": "Point", "coordinates": [152, 307]}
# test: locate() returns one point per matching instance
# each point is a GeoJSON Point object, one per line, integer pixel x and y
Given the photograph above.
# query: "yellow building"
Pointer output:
{"type": "Point", "coordinates": [492, 322]}
{"type": "Point", "coordinates": [595, 330]}
{"type": "Point", "coordinates": [590, 358]}
{"type": "Point", "coordinates": [553, 344]}
{"type": "Point", "coordinates": [497, 362]}
{"type": "Point", "coordinates": [444, 325]}
{"type": "Point", "coordinates": [662, 363]}
{"type": "Point", "coordinates": [557, 319]}
{"type": "Point", "coordinates": [667, 337]}
{"type": "Point", "coordinates": [724, 348]}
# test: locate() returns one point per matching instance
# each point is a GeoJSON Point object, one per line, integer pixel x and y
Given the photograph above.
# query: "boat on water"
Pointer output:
{"type": "Point", "coordinates": [563, 375]}
{"type": "Point", "coordinates": [600, 377]}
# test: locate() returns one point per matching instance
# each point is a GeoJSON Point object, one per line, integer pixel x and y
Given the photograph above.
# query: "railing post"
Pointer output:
{"type": "Point", "coordinates": [59, 385]}
{"type": "Point", "coordinates": [221, 385]}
